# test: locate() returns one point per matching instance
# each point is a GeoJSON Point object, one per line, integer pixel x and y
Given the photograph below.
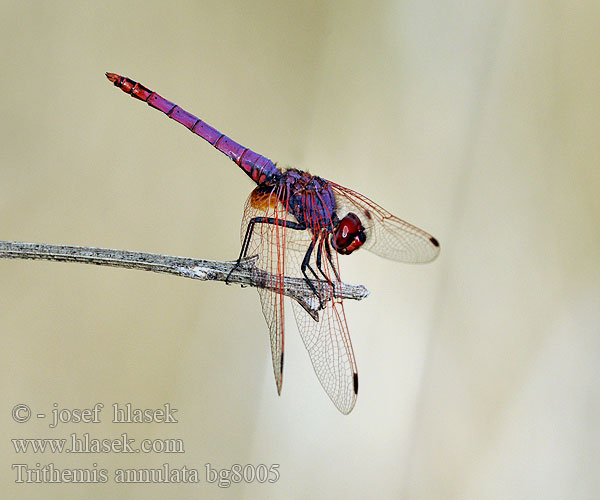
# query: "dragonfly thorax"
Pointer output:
{"type": "Point", "coordinates": [310, 199]}
{"type": "Point", "coordinates": [312, 202]}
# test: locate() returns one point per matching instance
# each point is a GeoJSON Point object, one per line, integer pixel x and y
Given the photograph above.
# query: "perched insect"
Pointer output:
{"type": "Point", "coordinates": [297, 224]}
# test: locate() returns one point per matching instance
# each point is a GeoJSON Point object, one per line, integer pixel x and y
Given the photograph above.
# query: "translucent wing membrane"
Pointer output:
{"type": "Point", "coordinates": [328, 344]}
{"type": "Point", "coordinates": [281, 251]}
{"type": "Point", "coordinates": [268, 242]}
{"type": "Point", "coordinates": [387, 235]}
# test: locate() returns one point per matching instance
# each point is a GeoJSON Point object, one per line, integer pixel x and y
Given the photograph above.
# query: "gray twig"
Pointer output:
{"type": "Point", "coordinates": [244, 274]}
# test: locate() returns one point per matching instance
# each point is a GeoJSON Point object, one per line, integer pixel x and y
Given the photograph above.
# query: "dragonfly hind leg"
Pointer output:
{"type": "Point", "coordinates": [305, 262]}
{"type": "Point", "coordinates": [248, 236]}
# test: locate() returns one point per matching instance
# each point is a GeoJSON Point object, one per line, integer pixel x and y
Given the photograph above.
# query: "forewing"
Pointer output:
{"type": "Point", "coordinates": [328, 344]}
{"type": "Point", "coordinates": [387, 235]}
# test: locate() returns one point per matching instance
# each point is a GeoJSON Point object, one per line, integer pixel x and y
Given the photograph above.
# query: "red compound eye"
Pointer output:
{"type": "Point", "coordinates": [348, 235]}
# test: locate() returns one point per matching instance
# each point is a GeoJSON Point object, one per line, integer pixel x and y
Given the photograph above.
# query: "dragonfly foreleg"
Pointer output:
{"type": "Point", "coordinates": [320, 260]}
{"type": "Point", "coordinates": [330, 259]}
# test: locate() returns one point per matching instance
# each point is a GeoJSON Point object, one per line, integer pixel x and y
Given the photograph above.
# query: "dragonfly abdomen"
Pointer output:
{"type": "Point", "coordinates": [258, 167]}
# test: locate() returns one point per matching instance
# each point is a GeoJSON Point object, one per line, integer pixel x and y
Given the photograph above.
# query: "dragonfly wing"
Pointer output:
{"type": "Point", "coordinates": [267, 241]}
{"type": "Point", "coordinates": [281, 251]}
{"type": "Point", "coordinates": [387, 235]}
{"type": "Point", "coordinates": [329, 346]}
{"type": "Point", "coordinates": [272, 308]}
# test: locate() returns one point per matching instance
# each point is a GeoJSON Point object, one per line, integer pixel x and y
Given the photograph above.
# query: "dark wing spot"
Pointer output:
{"type": "Point", "coordinates": [281, 364]}
{"type": "Point", "coordinates": [434, 242]}
{"type": "Point", "coordinates": [368, 214]}
{"type": "Point", "coordinates": [356, 383]}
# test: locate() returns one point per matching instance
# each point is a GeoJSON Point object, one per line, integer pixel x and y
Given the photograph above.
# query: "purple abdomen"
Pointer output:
{"type": "Point", "coordinates": [259, 168]}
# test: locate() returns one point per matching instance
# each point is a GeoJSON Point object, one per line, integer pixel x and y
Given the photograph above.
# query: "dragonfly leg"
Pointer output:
{"type": "Point", "coordinates": [287, 224]}
{"type": "Point", "coordinates": [306, 265]}
{"type": "Point", "coordinates": [320, 260]}
{"type": "Point", "coordinates": [319, 266]}
{"type": "Point", "coordinates": [249, 230]}
{"type": "Point", "coordinates": [330, 259]}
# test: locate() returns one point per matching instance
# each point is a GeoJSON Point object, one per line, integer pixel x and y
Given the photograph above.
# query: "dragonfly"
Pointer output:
{"type": "Point", "coordinates": [298, 224]}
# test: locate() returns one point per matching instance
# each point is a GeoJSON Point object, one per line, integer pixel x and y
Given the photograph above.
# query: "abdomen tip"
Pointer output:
{"type": "Point", "coordinates": [113, 77]}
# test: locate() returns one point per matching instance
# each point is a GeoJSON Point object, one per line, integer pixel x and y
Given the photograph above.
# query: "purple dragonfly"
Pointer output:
{"type": "Point", "coordinates": [297, 224]}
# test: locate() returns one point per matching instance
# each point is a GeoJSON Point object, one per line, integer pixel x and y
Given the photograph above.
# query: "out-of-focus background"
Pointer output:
{"type": "Point", "coordinates": [477, 121]}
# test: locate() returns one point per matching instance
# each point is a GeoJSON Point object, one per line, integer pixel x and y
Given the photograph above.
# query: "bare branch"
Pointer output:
{"type": "Point", "coordinates": [244, 274]}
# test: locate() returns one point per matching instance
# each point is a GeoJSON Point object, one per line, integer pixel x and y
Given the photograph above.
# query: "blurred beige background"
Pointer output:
{"type": "Point", "coordinates": [477, 121]}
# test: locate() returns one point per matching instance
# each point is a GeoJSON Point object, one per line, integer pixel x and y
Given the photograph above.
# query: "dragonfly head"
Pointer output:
{"type": "Point", "coordinates": [348, 234]}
